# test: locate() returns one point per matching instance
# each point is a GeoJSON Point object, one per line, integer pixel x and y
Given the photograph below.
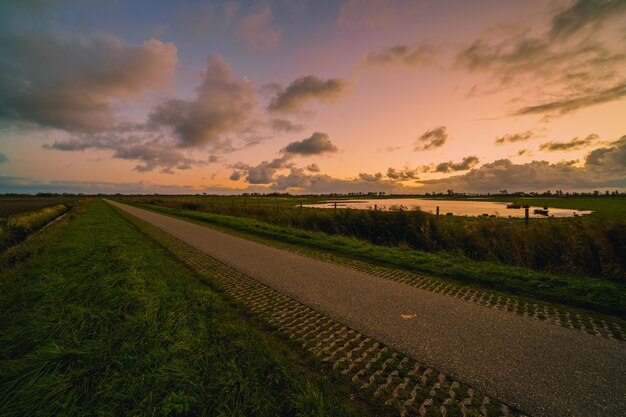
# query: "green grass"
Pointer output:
{"type": "Point", "coordinates": [570, 246]}
{"type": "Point", "coordinates": [604, 208]}
{"type": "Point", "coordinates": [16, 228]}
{"type": "Point", "coordinates": [105, 322]}
{"type": "Point", "coordinates": [592, 293]}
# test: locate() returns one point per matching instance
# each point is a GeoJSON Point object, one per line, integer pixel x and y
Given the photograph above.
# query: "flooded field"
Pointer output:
{"type": "Point", "coordinates": [457, 208]}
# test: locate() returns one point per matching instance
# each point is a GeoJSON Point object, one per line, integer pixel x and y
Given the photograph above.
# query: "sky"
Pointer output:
{"type": "Point", "coordinates": [227, 97]}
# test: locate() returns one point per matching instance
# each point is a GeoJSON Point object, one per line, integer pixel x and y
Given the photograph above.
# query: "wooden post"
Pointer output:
{"type": "Point", "coordinates": [335, 206]}
{"type": "Point", "coordinates": [526, 215]}
{"type": "Point", "coordinates": [375, 207]}
{"type": "Point", "coordinates": [301, 207]}
{"type": "Point", "coordinates": [437, 215]}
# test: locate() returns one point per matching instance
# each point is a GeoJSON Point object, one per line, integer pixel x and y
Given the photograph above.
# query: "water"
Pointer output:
{"type": "Point", "coordinates": [457, 208]}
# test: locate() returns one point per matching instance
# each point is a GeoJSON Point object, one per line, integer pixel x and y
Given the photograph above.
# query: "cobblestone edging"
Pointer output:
{"type": "Point", "coordinates": [405, 385]}
{"type": "Point", "coordinates": [604, 327]}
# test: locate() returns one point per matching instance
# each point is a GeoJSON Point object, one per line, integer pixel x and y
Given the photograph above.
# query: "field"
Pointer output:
{"type": "Point", "coordinates": [104, 319]}
{"type": "Point", "coordinates": [11, 205]}
{"type": "Point", "coordinates": [21, 216]}
{"type": "Point", "coordinates": [592, 246]}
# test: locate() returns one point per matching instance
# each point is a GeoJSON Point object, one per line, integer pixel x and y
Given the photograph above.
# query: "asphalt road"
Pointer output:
{"type": "Point", "coordinates": [541, 368]}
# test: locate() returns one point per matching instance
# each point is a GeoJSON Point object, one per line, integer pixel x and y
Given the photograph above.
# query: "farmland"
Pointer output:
{"type": "Point", "coordinates": [21, 216]}
{"type": "Point", "coordinates": [105, 319]}
{"type": "Point", "coordinates": [592, 245]}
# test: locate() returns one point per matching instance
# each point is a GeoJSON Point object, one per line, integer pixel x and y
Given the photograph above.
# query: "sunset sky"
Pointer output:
{"type": "Point", "coordinates": [312, 96]}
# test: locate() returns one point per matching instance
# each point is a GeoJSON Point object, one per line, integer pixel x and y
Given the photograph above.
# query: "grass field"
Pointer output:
{"type": "Point", "coordinates": [17, 227]}
{"type": "Point", "coordinates": [593, 293]}
{"type": "Point", "coordinates": [581, 246]}
{"type": "Point", "coordinates": [11, 205]}
{"type": "Point", "coordinates": [105, 322]}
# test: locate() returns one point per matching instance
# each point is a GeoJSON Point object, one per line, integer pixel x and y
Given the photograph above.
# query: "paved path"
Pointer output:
{"type": "Point", "coordinates": [543, 369]}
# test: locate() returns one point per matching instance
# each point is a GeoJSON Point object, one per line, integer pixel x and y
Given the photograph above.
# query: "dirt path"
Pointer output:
{"type": "Point", "coordinates": [543, 369]}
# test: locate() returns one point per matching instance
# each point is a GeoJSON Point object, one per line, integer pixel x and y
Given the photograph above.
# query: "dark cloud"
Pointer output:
{"type": "Point", "coordinates": [467, 163]}
{"type": "Point", "coordinates": [575, 102]}
{"type": "Point", "coordinates": [284, 125]}
{"type": "Point", "coordinates": [377, 177]}
{"type": "Point", "coordinates": [235, 176]}
{"type": "Point", "coordinates": [3, 158]}
{"type": "Point", "coordinates": [610, 159]}
{"type": "Point", "coordinates": [516, 137]}
{"type": "Point", "coordinates": [223, 103]}
{"type": "Point", "coordinates": [523, 152]}
{"type": "Point", "coordinates": [298, 179]}
{"type": "Point", "coordinates": [9, 184]}
{"type": "Point", "coordinates": [305, 89]}
{"type": "Point", "coordinates": [575, 64]}
{"type": "Point", "coordinates": [70, 82]}
{"type": "Point", "coordinates": [575, 143]}
{"type": "Point", "coordinates": [403, 174]}
{"type": "Point", "coordinates": [266, 172]}
{"type": "Point", "coordinates": [602, 168]}
{"type": "Point", "coordinates": [318, 144]}
{"type": "Point", "coordinates": [418, 56]}
{"type": "Point", "coordinates": [313, 167]}
{"type": "Point", "coordinates": [150, 151]}
{"type": "Point", "coordinates": [432, 139]}
{"type": "Point", "coordinates": [583, 13]}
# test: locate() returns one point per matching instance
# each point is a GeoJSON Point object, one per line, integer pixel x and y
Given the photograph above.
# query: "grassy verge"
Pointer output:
{"type": "Point", "coordinates": [596, 294]}
{"type": "Point", "coordinates": [16, 228]}
{"type": "Point", "coordinates": [104, 322]}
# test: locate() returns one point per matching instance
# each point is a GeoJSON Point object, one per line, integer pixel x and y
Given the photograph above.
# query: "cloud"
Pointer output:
{"type": "Point", "coordinates": [11, 184]}
{"type": "Point", "coordinates": [523, 152]}
{"type": "Point", "coordinates": [297, 178]}
{"type": "Point", "coordinates": [284, 125]}
{"type": "Point", "coordinates": [576, 101]}
{"type": "Point", "coordinates": [149, 150]}
{"type": "Point", "coordinates": [3, 158]}
{"type": "Point", "coordinates": [235, 176]}
{"type": "Point", "coordinates": [403, 174]}
{"type": "Point", "coordinates": [317, 144]}
{"type": "Point", "coordinates": [583, 13]}
{"type": "Point", "coordinates": [516, 137]}
{"type": "Point", "coordinates": [432, 139]}
{"type": "Point", "coordinates": [71, 82]}
{"type": "Point", "coordinates": [266, 171]}
{"type": "Point", "coordinates": [467, 163]}
{"type": "Point", "coordinates": [575, 143]}
{"type": "Point", "coordinates": [223, 103]}
{"type": "Point", "coordinates": [417, 56]}
{"type": "Point", "coordinates": [602, 168]}
{"type": "Point", "coordinates": [256, 29]}
{"type": "Point", "coordinates": [610, 159]}
{"type": "Point", "coordinates": [306, 89]}
{"type": "Point", "coordinates": [377, 177]}
{"type": "Point", "coordinates": [313, 167]}
{"type": "Point", "coordinates": [575, 64]}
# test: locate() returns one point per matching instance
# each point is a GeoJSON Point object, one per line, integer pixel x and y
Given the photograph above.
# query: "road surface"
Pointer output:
{"type": "Point", "coordinates": [541, 368]}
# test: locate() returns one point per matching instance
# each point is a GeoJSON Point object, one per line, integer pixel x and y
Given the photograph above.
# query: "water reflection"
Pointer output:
{"type": "Point", "coordinates": [457, 208]}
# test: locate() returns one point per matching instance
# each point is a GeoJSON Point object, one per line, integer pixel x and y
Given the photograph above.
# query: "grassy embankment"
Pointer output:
{"type": "Point", "coordinates": [572, 246]}
{"type": "Point", "coordinates": [104, 322]}
{"type": "Point", "coordinates": [15, 228]}
{"type": "Point", "coordinates": [597, 294]}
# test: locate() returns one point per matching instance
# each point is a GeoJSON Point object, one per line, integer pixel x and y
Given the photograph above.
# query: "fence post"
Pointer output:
{"type": "Point", "coordinates": [437, 215]}
{"type": "Point", "coordinates": [526, 215]}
